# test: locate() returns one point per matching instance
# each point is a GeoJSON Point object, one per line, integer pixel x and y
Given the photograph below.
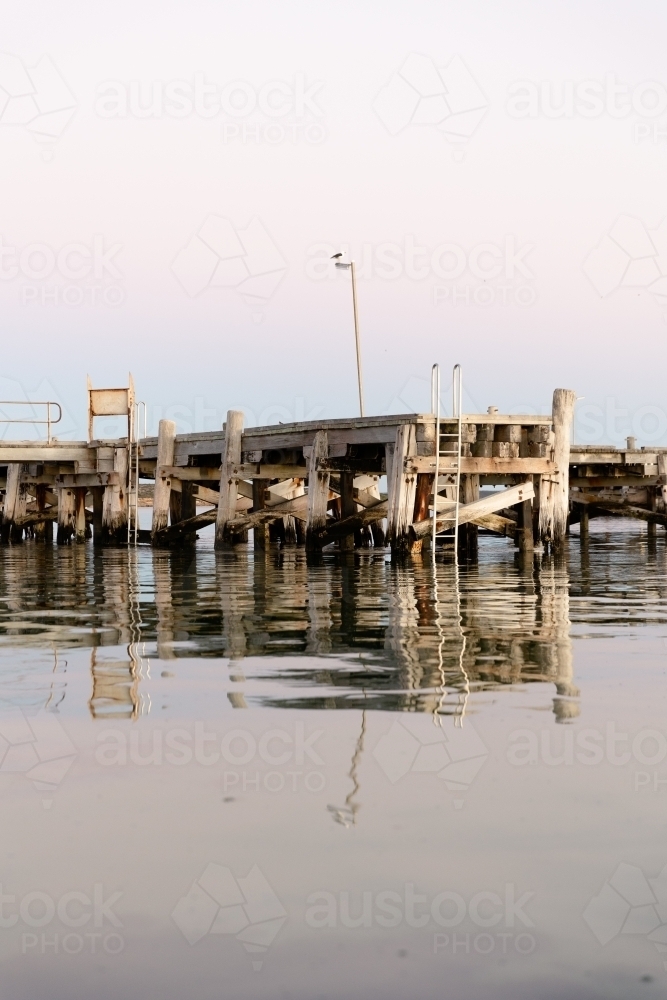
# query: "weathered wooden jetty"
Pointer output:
{"type": "Point", "coordinates": [318, 483]}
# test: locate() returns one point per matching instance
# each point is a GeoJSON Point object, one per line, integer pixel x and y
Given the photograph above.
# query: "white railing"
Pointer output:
{"type": "Point", "coordinates": [49, 422]}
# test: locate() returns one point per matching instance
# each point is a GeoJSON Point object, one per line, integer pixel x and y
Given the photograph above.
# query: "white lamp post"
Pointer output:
{"type": "Point", "coordinates": [350, 266]}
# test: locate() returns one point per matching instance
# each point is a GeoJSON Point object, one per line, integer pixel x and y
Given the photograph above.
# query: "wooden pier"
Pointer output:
{"type": "Point", "coordinates": [318, 483]}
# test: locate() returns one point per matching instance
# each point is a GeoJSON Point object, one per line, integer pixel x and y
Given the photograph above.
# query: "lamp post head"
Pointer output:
{"type": "Point", "coordinates": [344, 265]}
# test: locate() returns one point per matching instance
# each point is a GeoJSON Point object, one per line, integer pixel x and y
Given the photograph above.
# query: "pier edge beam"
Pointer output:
{"type": "Point", "coordinates": [231, 456]}
{"type": "Point", "coordinates": [401, 490]}
{"type": "Point", "coordinates": [318, 491]}
{"type": "Point", "coordinates": [166, 436]}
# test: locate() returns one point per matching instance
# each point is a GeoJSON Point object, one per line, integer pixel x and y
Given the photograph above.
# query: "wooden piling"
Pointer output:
{"type": "Point", "coordinates": [524, 533]}
{"type": "Point", "coordinates": [651, 527]}
{"type": "Point", "coordinates": [188, 500]}
{"type": "Point", "coordinates": [583, 523]}
{"type": "Point", "coordinates": [291, 536]}
{"type": "Point", "coordinates": [401, 488]}
{"type": "Point", "coordinates": [469, 533]}
{"type": "Point", "coordinates": [10, 531]}
{"type": "Point", "coordinates": [421, 511]}
{"type": "Point", "coordinates": [662, 473]}
{"type": "Point", "coordinates": [554, 489]}
{"type": "Point", "coordinates": [114, 507]}
{"type": "Point", "coordinates": [66, 516]}
{"type": "Point", "coordinates": [318, 491]}
{"type": "Point", "coordinates": [162, 490]}
{"type": "Point", "coordinates": [260, 533]}
{"type": "Point", "coordinates": [43, 530]}
{"type": "Point", "coordinates": [80, 514]}
{"type": "Point", "coordinates": [347, 508]}
{"type": "Point", "coordinates": [175, 507]}
{"type": "Point", "coordinates": [20, 511]}
{"type": "Point", "coordinates": [182, 507]}
{"type": "Point", "coordinates": [98, 505]}
{"type": "Point", "coordinates": [231, 457]}
{"type": "Point", "coordinates": [376, 528]}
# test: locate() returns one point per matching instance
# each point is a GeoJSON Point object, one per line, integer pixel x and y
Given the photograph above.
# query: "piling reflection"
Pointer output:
{"type": "Point", "coordinates": [359, 633]}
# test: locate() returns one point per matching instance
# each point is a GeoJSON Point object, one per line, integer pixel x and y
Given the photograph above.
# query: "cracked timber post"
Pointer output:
{"type": "Point", "coordinates": [318, 491]}
{"type": "Point", "coordinates": [166, 436]}
{"type": "Point", "coordinates": [231, 457]}
{"type": "Point", "coordinates": [555, 488]}
{"type": "Point", "coordinates": [401, 489]}
{"type": "Point", "coordinates": [114, 507]}
{"type": "Point", "coordinates": [15, 504]}
{"type": "Point", "coordinates": [66, 515]}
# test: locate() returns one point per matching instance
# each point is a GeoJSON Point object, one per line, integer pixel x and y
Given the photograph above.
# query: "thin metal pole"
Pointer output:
{"type": "Point", "coordinates": [435, 406]}
{"type": "Point", "coordinates": [138, 436]}
{"type": "Point", "coordinates": [457, 404]}
{"type": "Point", "coordinates": [130, 434]}
{"type": "Point", "coordinates": [356, 337]}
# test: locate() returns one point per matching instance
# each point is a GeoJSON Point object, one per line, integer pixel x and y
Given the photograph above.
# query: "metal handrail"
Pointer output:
{"type": "Point", "coordinates": [435, 407]}
{"type": "Point", "coordinates": [137, 442]}
{"type": "Point", "coordinates": [457, 415]}
{"type": "Point", "coordinates": [29, 402]}
{"type": "Point", "coordinates": [457, 405]}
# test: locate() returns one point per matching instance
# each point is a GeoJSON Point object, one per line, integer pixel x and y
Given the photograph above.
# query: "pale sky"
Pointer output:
{"type": "Point", "coordinates": [171, 175]}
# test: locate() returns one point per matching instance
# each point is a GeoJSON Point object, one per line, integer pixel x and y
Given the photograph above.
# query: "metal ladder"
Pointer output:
{"type": "Point", "coordinates": [134, 450]}
{"type": "Point", "coordinates": [448, 447]}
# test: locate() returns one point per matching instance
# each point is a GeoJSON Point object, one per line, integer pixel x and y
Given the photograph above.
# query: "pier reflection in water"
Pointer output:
{"type": "Point", "coordinates": [416, 686]}
{"type": "Point", "coordinates": [364, 634]}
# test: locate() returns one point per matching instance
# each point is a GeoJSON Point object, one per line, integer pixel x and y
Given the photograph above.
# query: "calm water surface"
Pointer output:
{"type": "Point", "coordinates": [229, 777]}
